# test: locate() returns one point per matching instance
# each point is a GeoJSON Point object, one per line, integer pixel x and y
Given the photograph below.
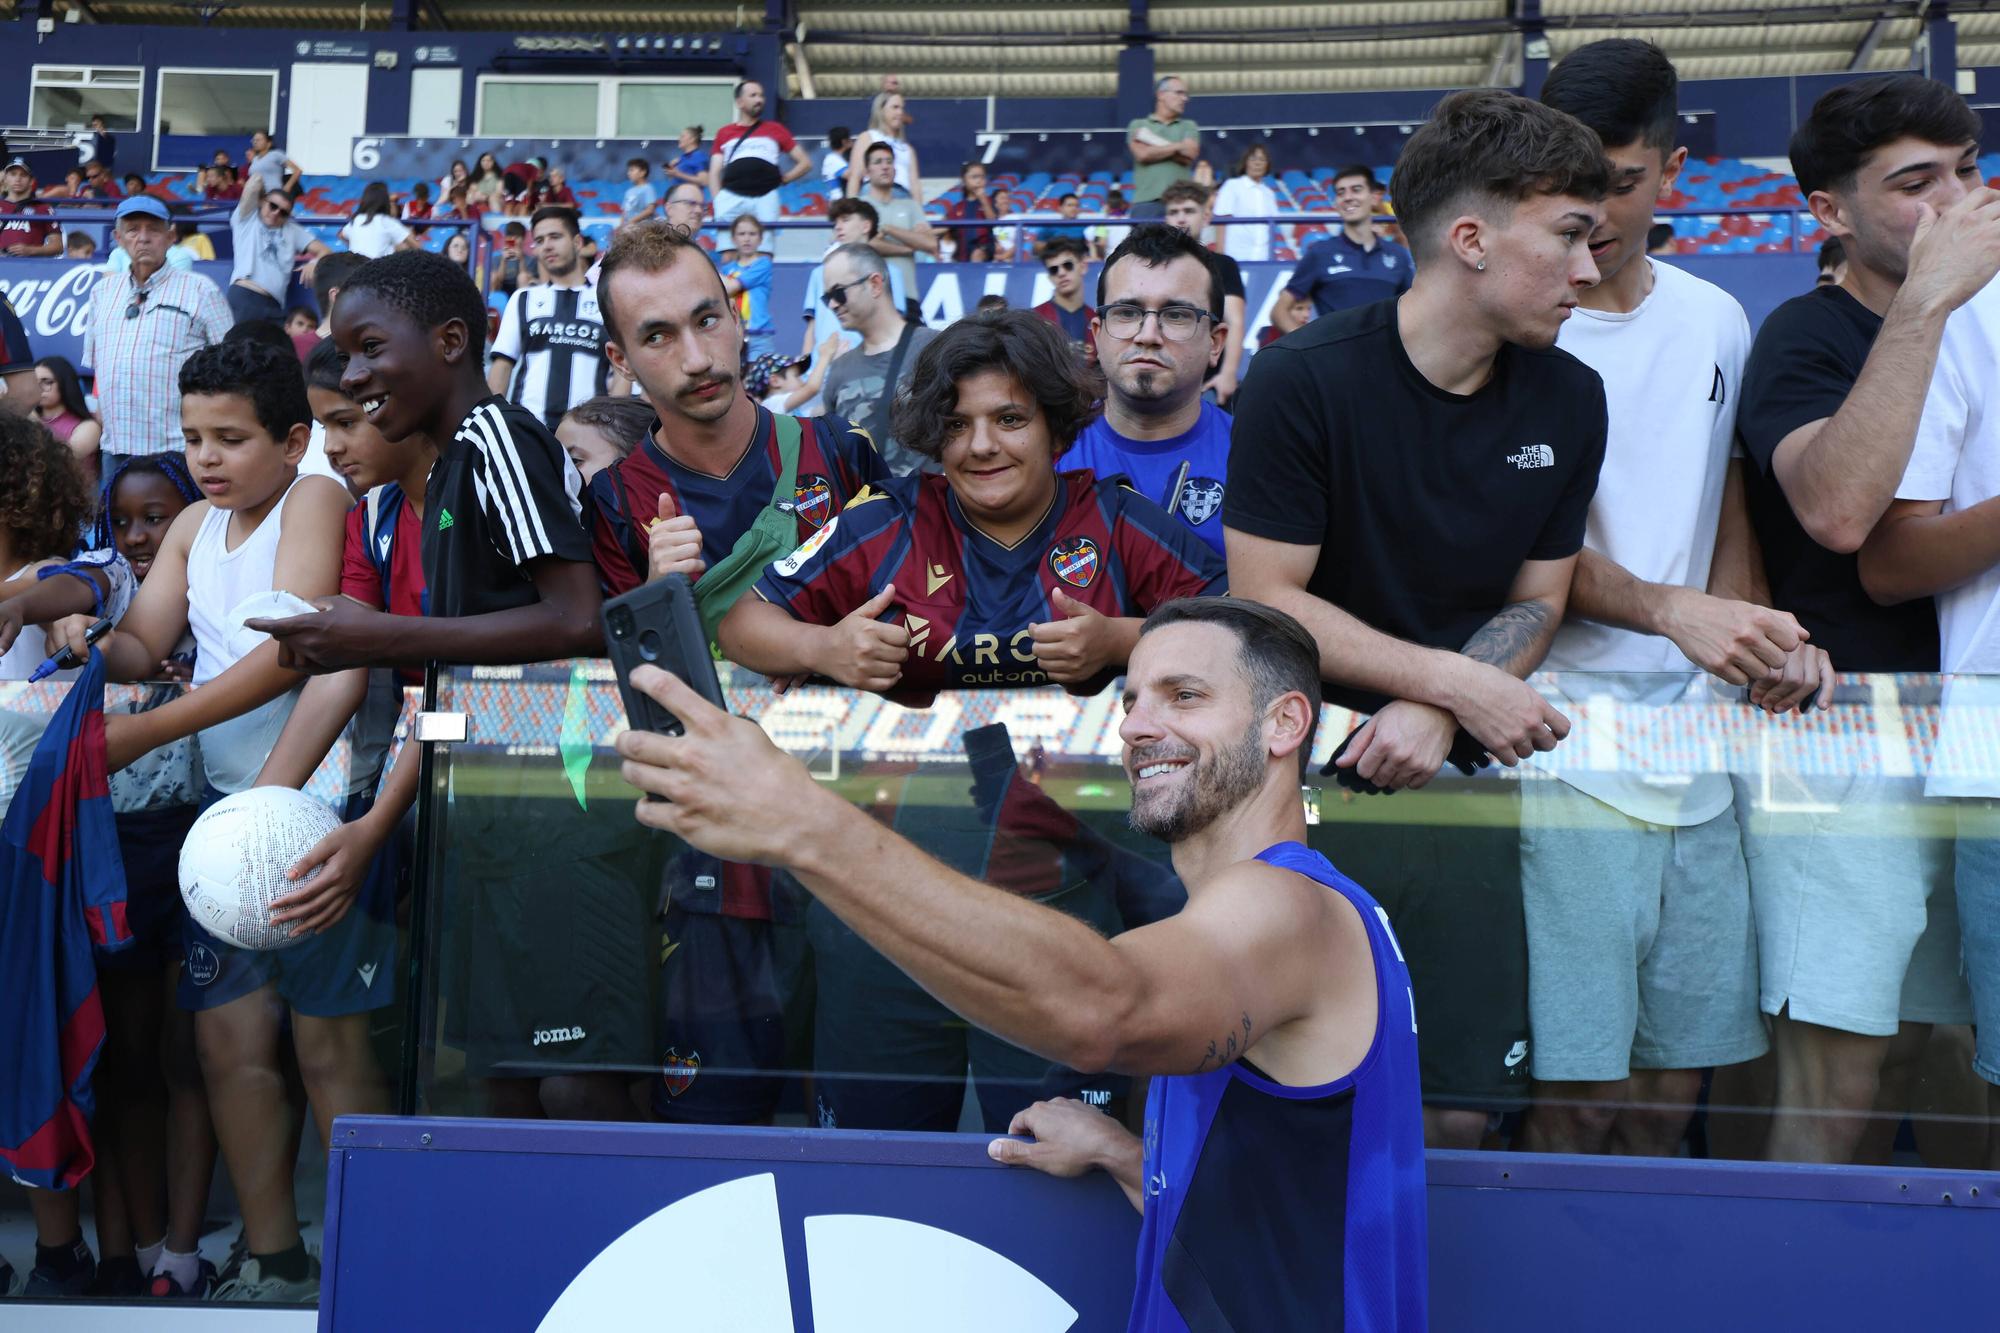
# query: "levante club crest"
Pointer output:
{"type": "Point", "coordinates": [677, 1071]}
{"type": "Point", "coordinates": [812, 499]}
{"type": "Point", "coordinates": [1075, 561]}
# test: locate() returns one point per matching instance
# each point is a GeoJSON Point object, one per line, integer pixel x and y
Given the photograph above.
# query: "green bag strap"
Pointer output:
{"type": "Point", "coordinates": [774, 533]}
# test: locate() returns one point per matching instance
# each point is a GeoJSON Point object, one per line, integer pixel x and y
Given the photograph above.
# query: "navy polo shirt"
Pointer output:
{"type": "Point", "coordinates": [1339, 275]}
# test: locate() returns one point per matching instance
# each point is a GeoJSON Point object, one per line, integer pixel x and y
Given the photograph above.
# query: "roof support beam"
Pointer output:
{"type": "Point", "coordinates": [1864, 51]}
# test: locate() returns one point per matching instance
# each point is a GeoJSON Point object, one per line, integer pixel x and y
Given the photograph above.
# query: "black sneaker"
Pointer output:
{"type": "Point", "coordinates": [119, 1277]}
{"type": "Point", "coordinates": [43, 1282]}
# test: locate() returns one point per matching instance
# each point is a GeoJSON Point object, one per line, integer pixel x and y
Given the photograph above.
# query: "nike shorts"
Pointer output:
{"type": "Point", "coordinates": [735, 1017]}
{"type": "Point", "coordinates": [1843, 871]}
{"type": "Point", "coordinates": [886, 1055]}
{"type": "Point", "coordinates": [1453, 894]}
{"type": "Point", "coordinates": [149, 841]}
{"type": "Point", "coordinates": [349, 969]}
{"type": "Point", "coordinates": [1640, 948]}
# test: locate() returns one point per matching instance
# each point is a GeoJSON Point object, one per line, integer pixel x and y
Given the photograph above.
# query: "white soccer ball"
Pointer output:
{"type": "Point", "coordinates": [235, 858]}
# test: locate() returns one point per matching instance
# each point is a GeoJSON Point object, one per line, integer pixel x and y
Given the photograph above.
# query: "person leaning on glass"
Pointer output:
{"type": "Point", "coordinates": [998, 573]}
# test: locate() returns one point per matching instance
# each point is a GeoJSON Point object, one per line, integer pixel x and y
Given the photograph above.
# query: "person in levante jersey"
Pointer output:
{"type": "Point", "coordinates": [995, 573]}
{"type": "Point", "coordinates": [710, 464]}
{"type": "Point", "coordinates": [1281, 1176]}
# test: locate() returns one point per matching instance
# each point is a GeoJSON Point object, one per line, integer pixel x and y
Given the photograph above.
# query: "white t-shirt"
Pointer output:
{"type": "Point", "coordinates": [1244, 198]}
{"type": "Point", "coordinates": [374, 237]}
{"type": "Point", "coordinates": [1956, 459]}
{"type": "Point", "coordinates": [1672, 371]}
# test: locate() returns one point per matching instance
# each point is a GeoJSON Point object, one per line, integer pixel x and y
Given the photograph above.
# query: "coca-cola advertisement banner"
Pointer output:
{"type": "Point", "coordinates": [52, 297]}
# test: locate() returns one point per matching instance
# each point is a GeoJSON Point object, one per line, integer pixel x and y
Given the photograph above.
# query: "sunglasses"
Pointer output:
{"type": "Point", "coordinates": [1066, 266]}
{"type": "Point", "coordinates": [138, 306]}
{"type": "Point", "coordinates": [278, 211]}
{"type": "Point", "coordinates": [837, 295]}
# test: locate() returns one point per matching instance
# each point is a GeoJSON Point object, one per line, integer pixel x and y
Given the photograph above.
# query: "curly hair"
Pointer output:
{"type": "Point", "coordinates": [46, 504]}
{"type": "Point", "coordinates": [427, 288]}
{"type": "Point", "coordinates": [646, 247]}
{"type": "Point", "coordinates": [262, 372]}
{"type": "Point", "coordinates": [1039, 357]}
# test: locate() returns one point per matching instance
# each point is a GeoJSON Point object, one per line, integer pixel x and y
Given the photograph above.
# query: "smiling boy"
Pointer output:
{"type": "Point", "coordinates": [261, 527]}
{"type": "Point", "coordinates": [508, 569]}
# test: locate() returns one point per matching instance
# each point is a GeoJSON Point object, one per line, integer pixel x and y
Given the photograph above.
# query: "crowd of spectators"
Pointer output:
{"type": "Point", "coordinates": [1032, 484]}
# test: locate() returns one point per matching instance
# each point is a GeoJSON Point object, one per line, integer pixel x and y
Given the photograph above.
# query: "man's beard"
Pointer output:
{"type": "Point", "coordinates": [1209, 789]}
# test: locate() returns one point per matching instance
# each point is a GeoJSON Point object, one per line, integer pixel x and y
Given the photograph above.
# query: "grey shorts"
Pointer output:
{"type": "Point", "coordinates": [1850, 877]}
{"type": "Point", "coordinates": [1978, 884]}
{"type": "Point", "coordinates": [1640, 948]}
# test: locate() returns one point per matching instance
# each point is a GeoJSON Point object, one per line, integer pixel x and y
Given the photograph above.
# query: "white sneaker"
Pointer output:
{"type": "Point", "coordinates": [250, 1284]}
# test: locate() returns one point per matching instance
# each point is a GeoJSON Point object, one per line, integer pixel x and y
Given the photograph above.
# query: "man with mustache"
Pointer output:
{"type": "Point", "coordinates": [678, 504]}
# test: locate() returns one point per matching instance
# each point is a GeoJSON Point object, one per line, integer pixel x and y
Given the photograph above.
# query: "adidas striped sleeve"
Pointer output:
{"type": "Point", "coordinates": [527, 487]}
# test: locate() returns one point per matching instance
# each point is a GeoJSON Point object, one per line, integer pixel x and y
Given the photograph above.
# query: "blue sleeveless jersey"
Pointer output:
{"type": "Point", "coordinates": [1274, 1208]}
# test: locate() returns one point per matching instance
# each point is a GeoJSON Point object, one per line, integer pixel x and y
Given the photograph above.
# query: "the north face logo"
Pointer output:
{"type": "Point", "coordinates": [1533, 455]}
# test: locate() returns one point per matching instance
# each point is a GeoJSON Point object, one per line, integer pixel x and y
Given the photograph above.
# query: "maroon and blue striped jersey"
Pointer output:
{"type": "Point", "coordinates": [968, 601]}
{"type": "Point", "coordinates": [835, 461]}
{"type": "Point", "coordinates": [62, 898]}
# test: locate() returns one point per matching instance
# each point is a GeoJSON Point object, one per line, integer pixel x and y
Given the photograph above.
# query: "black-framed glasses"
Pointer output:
{"type": "Point", "coordinates": [836, 296]}
{"type": "Point", "coordinates": [1177, 322]}
{"type": "Point", "coordinates": [1066, 266]}
{"type": "Point", "coordinates": [280, 212]}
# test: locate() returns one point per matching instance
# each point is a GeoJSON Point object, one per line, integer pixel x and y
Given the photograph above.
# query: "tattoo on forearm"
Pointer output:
{"type": "Point", "coordinates": [1515, 638]}
{"type": "Point", "coordinates": [1232, 1044]}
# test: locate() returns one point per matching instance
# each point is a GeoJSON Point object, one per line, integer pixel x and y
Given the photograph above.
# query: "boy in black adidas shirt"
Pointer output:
{"type": "Point", "coordinates": [545, 923]}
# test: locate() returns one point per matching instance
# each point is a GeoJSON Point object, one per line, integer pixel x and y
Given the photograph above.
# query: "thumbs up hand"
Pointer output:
{"type": "Point", "coordinates": [673, 543]}
{"type": "Point", "coordinates": [863, 652]}
{"type": "Point", "coordinates": [1080, 645]}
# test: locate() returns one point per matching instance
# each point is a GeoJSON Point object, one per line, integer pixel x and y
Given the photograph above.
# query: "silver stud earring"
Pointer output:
{"type": "Point", "coordinates": [1481, 266]}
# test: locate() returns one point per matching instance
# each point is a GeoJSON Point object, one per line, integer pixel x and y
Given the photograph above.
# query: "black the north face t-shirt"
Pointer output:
{"type": "Point", "coordinates": [1802, 366]}
{"type": "Point", "coordinates": [1424, 503]}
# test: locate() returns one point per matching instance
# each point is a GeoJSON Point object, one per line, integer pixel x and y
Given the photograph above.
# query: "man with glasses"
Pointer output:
{"type": "Point", "coordinates": [1164, 147]}
{"type": "Point", "coordinates": [1157, 339]}
{"type": "Point", "coordinates": [267, 240]}
{"type": "Point", "coordinates": [854, 223]}
{"type": "Point", "coordinates": [1064, 259]}
{"type": "Point", "coordinates": [862, 383]}
{"type": "Point", "coordinates": [144, 322]}
{"type": "Point", "coordinates": [684, 207]}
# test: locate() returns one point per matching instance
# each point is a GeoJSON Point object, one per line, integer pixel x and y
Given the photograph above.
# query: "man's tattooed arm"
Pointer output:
{"type": "Point", "coordinates": [1232, 1045]}
{"type": "Point", "coordinates": [1516, 639]}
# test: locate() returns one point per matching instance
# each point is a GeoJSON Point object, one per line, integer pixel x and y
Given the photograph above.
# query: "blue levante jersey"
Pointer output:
{"type": "Point", "coordinates": [835, 461]}
{"type": "Point", "coordinates": [968, 601]}
{"type": "Point", "coordinates": [1183, 473]}
{"type": "Point", "coordinates": [1277, 1207]}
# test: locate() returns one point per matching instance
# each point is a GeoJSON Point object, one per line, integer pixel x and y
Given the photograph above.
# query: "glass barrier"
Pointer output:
{"type": "Point", "coordinates": [1692, 929]}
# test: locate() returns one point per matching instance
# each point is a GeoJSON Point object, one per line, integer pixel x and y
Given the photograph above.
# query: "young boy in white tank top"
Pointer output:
{"type": "Point", "coordinates": [261, 527]}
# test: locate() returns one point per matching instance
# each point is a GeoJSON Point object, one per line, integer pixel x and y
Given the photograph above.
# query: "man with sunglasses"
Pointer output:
{"type": "Point", "coordinates": [862, 383]}
{"type": "Point", "coordinates": [1158, 336]}
{"type": "Point", "coordinates": [1064, 258]}
{"type": "Point", "coordinates": [266, 241]}
{"type": "Point", "coordinates": [144, 322]}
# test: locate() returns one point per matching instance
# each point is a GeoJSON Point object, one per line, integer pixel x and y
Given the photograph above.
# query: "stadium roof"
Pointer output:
{"type": "Point", "coordinates": [1069, 48]}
